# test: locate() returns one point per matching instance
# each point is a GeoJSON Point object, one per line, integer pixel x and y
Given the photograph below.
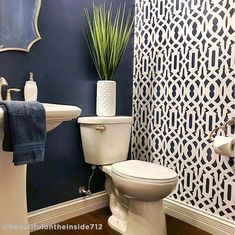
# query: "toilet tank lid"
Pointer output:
{"type": "Point", "coordinates": [105, 120]}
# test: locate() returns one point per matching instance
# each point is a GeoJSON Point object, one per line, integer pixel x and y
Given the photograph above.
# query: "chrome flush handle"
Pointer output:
{"type": "Point", "coordinates": [100, 128]}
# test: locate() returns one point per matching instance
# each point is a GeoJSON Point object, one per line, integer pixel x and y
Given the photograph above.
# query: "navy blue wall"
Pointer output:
{"type": "Point", "coordinates": [65, 74]}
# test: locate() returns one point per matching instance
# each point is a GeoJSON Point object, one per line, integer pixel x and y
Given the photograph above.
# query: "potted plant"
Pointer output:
{"type": "Point", "coordinates": [107, 38]}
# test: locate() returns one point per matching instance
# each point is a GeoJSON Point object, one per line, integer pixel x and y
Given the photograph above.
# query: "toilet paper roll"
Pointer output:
{"type": "Point", "coordinates": [225, 145]}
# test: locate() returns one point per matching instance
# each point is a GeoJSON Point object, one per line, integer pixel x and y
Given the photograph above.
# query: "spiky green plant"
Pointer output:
{"type": "Point", "coordinates": [107, 38]}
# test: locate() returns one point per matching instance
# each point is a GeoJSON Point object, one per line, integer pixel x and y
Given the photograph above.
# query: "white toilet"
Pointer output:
{"type": "Point", "coordinates": [136, 188]}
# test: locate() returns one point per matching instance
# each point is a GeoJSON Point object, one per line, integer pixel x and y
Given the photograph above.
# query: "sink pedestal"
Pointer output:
{"type": "Point", "coordinates": [13, 203]}
{"type": "Point", "coordinates": [13, 199]}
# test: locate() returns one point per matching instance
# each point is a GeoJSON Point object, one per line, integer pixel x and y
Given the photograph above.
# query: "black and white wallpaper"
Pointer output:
{"type": "Point", "coordinates": [184, 86]}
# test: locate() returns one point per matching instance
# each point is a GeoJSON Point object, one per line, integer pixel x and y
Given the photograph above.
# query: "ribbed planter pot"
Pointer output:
{"type": "Point", "coordinates": [106, 98]}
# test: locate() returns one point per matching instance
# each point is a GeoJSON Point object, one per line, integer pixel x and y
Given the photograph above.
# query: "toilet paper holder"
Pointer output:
{"type": "Point", "coordinates": [230, 122]}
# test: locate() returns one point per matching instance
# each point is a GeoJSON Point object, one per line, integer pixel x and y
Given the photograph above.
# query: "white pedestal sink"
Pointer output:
{"type": "Point", "coordinates": [13, 201]}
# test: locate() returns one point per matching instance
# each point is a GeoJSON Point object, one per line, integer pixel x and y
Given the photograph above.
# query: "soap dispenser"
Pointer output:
{"type": "Point", "coordinates": [30, 89]}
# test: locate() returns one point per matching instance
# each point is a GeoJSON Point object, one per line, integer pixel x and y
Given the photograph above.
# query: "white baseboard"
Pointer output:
{"type": "Point", "coordinates": [67, 210]}
{"type": "Point", "coordinates": [201, 219]}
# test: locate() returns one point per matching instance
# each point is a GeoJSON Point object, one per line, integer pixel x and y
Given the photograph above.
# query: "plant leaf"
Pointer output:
{"type": "Point", "coordinates": [107, 38]}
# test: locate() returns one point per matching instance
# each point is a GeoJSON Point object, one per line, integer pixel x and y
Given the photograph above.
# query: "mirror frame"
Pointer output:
{"type": "Point", "coordinates": [38, 36]}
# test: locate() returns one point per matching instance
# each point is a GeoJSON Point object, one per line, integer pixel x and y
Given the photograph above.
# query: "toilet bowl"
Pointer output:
{"type": "Point", "coordinates": [143, 181]}
{"type": "Point", "coordinates": [135, 188]}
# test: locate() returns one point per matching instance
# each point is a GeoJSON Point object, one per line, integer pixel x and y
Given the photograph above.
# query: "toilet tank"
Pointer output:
{"type": "Point", "coordinates": [105, 140]}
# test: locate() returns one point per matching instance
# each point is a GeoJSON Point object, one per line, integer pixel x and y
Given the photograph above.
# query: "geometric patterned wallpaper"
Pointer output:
{"type": "Point", "coordinates": [184, 86]}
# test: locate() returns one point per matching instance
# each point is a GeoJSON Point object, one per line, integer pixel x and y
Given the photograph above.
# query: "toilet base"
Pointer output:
{"type": "Point", "coordinates": [134, 217]}
{"type": "Point", "coordinates": [146, 218]}
{"type": "Point", "coordinates": [117, 224]}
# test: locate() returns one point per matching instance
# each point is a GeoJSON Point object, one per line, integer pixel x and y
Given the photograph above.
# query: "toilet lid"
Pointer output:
{"type": "Point", "coordinates": [143, 170]}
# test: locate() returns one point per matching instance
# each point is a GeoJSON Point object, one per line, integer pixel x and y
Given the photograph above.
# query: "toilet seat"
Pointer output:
{"type": "Point", "coordinates": [137, 170]}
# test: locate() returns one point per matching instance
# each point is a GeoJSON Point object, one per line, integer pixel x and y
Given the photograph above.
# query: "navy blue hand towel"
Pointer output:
{"type": "Point", "coordinates": [24, 130]}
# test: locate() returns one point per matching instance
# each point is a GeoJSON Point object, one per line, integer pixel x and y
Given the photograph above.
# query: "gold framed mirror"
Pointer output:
{"type": "Point", "coordinates": [19, 24]}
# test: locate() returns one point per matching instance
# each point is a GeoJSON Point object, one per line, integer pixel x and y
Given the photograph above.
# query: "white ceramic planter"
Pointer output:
{"type": "Point", "coordinates": [106, 98]}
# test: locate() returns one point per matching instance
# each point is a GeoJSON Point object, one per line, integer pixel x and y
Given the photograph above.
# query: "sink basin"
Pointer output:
{"type": "Point", "coordinates": [55, 114]}
{"type": "Point", "coordinates": [13, 201]}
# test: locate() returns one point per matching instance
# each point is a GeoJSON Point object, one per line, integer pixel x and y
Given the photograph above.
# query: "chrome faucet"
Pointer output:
{"type": "Point", "coordinates": [3, 82]}
{"type": "Point", "coordinates": [9, 93]}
